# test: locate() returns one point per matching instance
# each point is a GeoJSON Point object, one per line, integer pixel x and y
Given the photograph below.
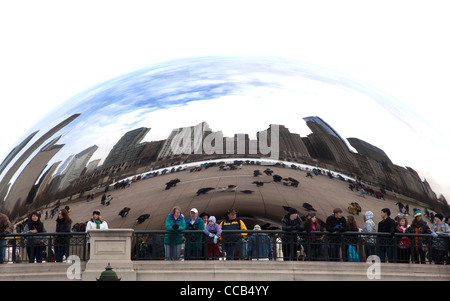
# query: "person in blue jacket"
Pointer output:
{"type": "Point", "coordinates": [259, 245]}
{"type": "Point", "coordinates": [173, 239]}
{"type": "Point", "coordinates": [193, 245]}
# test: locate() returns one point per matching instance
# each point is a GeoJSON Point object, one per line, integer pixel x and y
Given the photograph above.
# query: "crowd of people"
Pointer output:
{"type": "Point", "coordinates": [302, 238]}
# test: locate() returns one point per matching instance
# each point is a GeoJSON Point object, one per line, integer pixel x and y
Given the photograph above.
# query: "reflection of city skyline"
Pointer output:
{"type": "Point", "coordinates": [39, 183]}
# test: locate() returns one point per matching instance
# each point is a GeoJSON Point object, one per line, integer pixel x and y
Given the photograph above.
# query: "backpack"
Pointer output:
{"type": "Point", "coordinates": [352, 255]}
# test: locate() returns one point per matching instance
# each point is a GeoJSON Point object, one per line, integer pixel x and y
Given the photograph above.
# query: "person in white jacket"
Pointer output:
{"type": "Point", "coordinates": [96, 222]}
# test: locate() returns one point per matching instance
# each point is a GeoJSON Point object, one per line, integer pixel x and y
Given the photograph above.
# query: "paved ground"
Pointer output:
{"type": "Point", "coordinates": [265, 203]}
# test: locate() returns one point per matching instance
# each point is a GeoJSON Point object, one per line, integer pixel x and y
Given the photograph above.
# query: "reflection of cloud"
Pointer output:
{"type": "Point", "coordinates": [236, 95]}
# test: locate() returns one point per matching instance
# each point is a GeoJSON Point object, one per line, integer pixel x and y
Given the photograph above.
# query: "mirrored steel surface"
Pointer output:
{"type": "Point", "coordinates": [174, 113]}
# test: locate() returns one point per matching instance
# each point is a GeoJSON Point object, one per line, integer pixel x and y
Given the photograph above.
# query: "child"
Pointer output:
{"type": "Point", "coordinates": [213, 231]}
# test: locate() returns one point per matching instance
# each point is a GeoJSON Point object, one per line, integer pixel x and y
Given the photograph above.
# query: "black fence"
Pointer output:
{"type": "Point", "coordinates": [238, 245]}
{"type": "Point", "coordinates": [43, 247]}
{"type": "Point", "coordinates": [291, 246]}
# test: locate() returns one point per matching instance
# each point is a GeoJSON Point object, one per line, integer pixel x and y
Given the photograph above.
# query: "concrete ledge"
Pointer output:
{"type": "Point", "coordinates": [228, 271]}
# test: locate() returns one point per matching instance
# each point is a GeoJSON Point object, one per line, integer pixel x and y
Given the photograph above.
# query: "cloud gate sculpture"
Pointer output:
{"type": "Point", "coordinates": [172, 117]}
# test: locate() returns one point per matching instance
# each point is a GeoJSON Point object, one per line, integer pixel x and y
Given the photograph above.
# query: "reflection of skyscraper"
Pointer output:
{"type": "Point", "coordinates": [15, 151]}
{"type": "Point", "coordinates": [76, 166]}
{"type": "Point", "coordinates": [127, 147]}
{"type": "Point", "coordinates": [291, 145]}
{"type": "Point", "coordinates": [4, 184]}
{"type": "Point", "coordinates": [327, 143]}
{"type": "Point", "coordinates": [30, 174]}
{"type": "Point", "coordinates": [369, 150]}
{"type": "Point", "coordinates": [325, 126]}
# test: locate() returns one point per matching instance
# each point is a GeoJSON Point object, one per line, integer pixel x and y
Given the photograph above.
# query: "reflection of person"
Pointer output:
{"type": "Point", "coordinates": [34, 243]}
{"type": "Point", "coordinates": [5, 228]}
{"type": "Point", "coordinates": [63, 225]}
{"type": "Point", "coordinates": [173, 239]}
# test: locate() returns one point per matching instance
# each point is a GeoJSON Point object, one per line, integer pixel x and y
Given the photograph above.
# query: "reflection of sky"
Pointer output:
{"type": "Point", "coordinates": [235, 95]}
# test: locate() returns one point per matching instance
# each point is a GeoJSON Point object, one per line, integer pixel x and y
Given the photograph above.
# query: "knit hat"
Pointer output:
{"type": "Point", "coordinates": [257, 227]}
{"type": "Point", "coordinates": [439, 216]}
{"type": "Point", "coordinates": [417, 213]}
{"type": "Point", "coordinates": [292, 211]}
{"type": "Point", "coordinates": [212, 218]}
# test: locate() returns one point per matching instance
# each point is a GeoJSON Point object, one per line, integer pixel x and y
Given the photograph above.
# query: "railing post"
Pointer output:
{"type": "Point", "coordinates": [111, 246]}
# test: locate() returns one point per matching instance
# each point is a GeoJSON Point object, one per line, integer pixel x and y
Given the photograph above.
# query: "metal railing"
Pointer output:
{"type": "Point", "coordinates": [293, 246]}
{"type": "Point", "coordinates": [238, 245]}
{"type": "Point", "coordinates": [43, 247]}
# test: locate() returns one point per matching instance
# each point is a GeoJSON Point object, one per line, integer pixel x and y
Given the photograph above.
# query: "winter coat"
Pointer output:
{"type": "Point", "coordinates": [369, 226]}
{"type": "Point", "coordinates": [334, 224]}
{"type": "Point", "coordinates": [93, 225]}
{"type": "Point", "coordinates": [62, 226]}
{"type": "Point", "coordinates": [174, 237]}
{"type": "Point", "coordinates": [422, 229]}
{"type": "Point", "coordinates": [34, 239]}
{"type": "Point", "coordinates": [216, 230]}
{"type": "Point", "coordinates": [5, 224]}
{"type": "Point", "coordinates": [195, 239]}
{"type": "Point", "coordinates": [235, 224]}
{"type": "Point", "coordinates": [259, 246]}
{"type": "Point", "coordinates": [387, 225]}
{"type": "Point", "coordinates": [439, 243]}
{"type": "Point", "coordinates": [289, 225]}
{"type": "Point", "coordinates": [404, 242]}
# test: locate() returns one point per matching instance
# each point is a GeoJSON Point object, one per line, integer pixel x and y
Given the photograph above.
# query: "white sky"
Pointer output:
{"type": "Point", "coordinates": [52, 50]}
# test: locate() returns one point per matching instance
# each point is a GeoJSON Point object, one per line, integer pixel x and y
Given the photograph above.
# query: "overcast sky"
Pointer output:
{"type": "Point", "coordinates": [52, 50]}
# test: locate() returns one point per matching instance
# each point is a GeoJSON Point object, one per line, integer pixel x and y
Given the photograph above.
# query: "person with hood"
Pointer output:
{"type": "Point", "coordinates": [292, 224]}
{"type": "Point", "coordinates": [34, 243]}
{"type": "Point", "coordinates": [441, 233]}
{"type": "Point", "coordinates": [418, 226]}
{"type": "Point", "coordinates": [213, 231]}
{"type": "Point", "coordinates": [259, 245]}
{"type": "Point", "coordinates": [369, 240]}
{"type": "Point", "coordinates": [193, 244]}
{"type": "Point", "coordinates": [335, 224]}
{"type": "Point", "coordinates": [386, 225]}
{"type": "Point", "coordinates": [173, 239]}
